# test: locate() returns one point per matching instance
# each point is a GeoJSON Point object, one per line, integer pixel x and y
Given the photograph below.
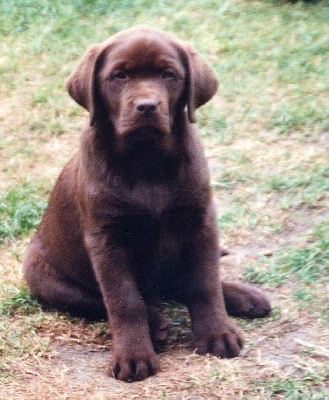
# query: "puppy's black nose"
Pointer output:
{"type": "Point", "coordinates": [146, 106]}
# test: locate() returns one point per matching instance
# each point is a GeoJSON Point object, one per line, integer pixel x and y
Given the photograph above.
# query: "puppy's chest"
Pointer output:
{"type": "Point", "coordinates": [154, 199]}
{"type": "Point", "coordinates": [152, 219]}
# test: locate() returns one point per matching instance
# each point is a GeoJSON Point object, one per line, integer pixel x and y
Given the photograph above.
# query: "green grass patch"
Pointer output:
{"type": "Point", "coordinates": [299, 114]}
{"type": "Point", "coordinates": [307, 185]}
{"type": "Point", "coordinates": [21, 303]}
{"type": "Point", "coordinates": [21, 209]}
{"type": "Point", "coordinates": [308, 264]}
{"type": "Point", "coordinates": [311, 386]}
{"type": "Point", "coordinates": [232, 216]}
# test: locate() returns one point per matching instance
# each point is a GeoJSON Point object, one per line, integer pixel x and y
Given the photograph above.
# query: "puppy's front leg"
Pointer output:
{"type": "Point", "coordinates": [213, 330]}
{"type": "Point", "coordinates": [133, 354]}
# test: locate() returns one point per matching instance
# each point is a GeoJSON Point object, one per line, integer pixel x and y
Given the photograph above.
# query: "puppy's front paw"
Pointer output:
{"type": "Point", "coordinates": [224, 340]}
{"type": "Point", "coordinates": [133, 367]}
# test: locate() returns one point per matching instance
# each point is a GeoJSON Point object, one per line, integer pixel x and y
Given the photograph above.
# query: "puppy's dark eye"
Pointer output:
{"type": "Point", "coordinates": [119, 75]}
{"type": "Point", "coordinates": [168, 75]}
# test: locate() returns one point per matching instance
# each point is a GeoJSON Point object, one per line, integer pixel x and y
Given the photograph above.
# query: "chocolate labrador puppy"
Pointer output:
{"type": "Point", "coordinates": [131, 219]}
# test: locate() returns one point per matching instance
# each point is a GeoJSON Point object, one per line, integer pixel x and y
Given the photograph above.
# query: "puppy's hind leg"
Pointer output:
{"type": "Point", "coordinates": [243, 300]}
{"type": "Point", "coordinates": [55, 290]}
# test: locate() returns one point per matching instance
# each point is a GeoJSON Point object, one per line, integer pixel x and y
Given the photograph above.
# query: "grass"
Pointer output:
{"type": "Point", "coordinates": [309, 263]}
{"type": "Point", "coordinates": [21, 209]}
{"type": "Point", "coordinates": [22, 303]}
{"type": "Point", "coordinates": [295, 389]}
{"type": "Point", "coordinates": [265, 135]}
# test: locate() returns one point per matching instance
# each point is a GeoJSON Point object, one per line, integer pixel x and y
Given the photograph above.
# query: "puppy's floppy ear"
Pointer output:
{"type": "Point", "coordinates": [81, 83]}
{"type": "Point", "coordinates": [202, 82]}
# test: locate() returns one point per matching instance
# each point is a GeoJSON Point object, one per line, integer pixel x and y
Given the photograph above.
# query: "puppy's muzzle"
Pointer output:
{"type": "Point", "coordinates": [147, 114]}
{"type": "Point", "coordinates": [146, 107]}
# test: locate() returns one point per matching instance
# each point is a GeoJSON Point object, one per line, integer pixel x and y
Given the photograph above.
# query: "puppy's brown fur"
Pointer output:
{"type": "Point", "coordinates": [131, 218]}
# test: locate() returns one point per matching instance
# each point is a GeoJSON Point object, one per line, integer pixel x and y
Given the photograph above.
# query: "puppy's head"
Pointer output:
{"type": "Point", "coordinates": [140, 81]}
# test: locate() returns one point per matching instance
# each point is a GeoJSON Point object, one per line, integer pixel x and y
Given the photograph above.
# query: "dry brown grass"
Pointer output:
{"type": "Point", "coordinates": [74, 366]}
